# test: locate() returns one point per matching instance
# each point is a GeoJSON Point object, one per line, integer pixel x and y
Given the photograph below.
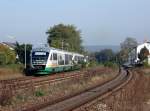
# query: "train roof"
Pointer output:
{"type": "Point", "coordinates": [47, 49]}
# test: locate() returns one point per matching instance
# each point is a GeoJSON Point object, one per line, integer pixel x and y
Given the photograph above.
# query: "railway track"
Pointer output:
{"type": "Point", "coordinates": [26, 82]}
{"type": "Point", "coordinates": [74, 101]}
{"type": "Point", "coordinates": [11, 87]}
{"type": "Point", "coordinates": [36, 82]}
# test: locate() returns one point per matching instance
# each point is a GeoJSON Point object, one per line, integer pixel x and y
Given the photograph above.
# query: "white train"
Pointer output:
{"type": "Point", "coordinates": [45, 60]}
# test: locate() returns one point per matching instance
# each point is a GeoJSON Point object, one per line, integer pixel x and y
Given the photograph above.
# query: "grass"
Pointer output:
{"type": "Point", "coordinates": [39, 93]}
{"type": "Point", "coordinates": [103, 64]}
{"type": "Point", "coordinates": [55, 90]}
{"type": "Point", "coordinates": [11, 71]}
{"type": "Point", "coordinates": [110, 64]}
{"type": "Point", "coordinates": [14, 67]}
{"type": "Point", "coordinates": [134, 96]}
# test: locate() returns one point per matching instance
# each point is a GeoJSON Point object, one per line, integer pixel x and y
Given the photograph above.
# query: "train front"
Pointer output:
{"type": "Point", "coordinates": [39, 57]}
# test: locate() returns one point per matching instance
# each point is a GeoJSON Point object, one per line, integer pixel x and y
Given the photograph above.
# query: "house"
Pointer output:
{"type": "Point", "coordinates": [149, 59]}
{"type": "Point", "coordinates": [134, 54]}
{"type": "Point", "coordinates": [140, 47]}
{"type": "Point", "coordinates": [10, 45]}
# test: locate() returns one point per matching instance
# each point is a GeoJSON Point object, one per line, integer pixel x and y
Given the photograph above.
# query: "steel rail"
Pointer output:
{"type": "Point", "coordinates": [10, 89]}
{"type": "Point", "coordinates": [59, 100]}
{"type": "Point", "coordinates": [79, 100]}
{"type": "Point", "coordinates": [16, 84]}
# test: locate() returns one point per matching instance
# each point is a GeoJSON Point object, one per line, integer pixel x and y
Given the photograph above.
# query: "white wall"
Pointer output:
{"type": "Point", "coordinates": [139, 47]}
{"type": "Point", "coordinates": [149, 59]}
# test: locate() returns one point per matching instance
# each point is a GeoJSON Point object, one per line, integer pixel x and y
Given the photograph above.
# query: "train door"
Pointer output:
{"type": "Point", "coordinates": [60, 59]}
{"type": "Point", "coordinates": [54, 59]}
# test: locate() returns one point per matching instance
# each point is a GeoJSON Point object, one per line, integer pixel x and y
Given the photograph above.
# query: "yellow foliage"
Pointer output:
{"type": "Point", "coordinates": [7, 56]}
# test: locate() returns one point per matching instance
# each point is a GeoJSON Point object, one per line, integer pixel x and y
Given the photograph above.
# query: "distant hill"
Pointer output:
{"type": "Point", "coordinates": [92, 48]}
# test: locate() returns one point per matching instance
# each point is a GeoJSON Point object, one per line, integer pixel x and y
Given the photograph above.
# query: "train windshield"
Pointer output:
{"type": "Point", "coordinates": [40, 54]}
{"type": "Point", "coordinates": [39, 57]}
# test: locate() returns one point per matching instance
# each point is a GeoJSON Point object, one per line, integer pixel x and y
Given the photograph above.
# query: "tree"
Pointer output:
{"type": "Point", "coordinates": [143, 54]}
{"type": "Point", "coordinates": [20, 50]}
{"type": "Point", "coordinates": [65, 37]}
{"type": "Point", "coordinates": [129, 43]}
{"type": "Point", "coordinates": [126, 46]}
{"type": "Point", "coordinates": [7, 56]}
{"type": "Point", "coordinates": [105, 55]}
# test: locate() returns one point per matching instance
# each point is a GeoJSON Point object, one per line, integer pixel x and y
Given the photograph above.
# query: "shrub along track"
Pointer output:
{"type": "Point", "coordinates": [73, 101]}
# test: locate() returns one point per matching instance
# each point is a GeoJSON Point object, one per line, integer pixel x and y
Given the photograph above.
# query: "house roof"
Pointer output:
{"type": "Point", "coordinates": [9, 44]}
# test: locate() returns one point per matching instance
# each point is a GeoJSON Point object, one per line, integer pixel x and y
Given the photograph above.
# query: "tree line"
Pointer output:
{"type": "Point", "coordinates": [60, 36]}
{"type": "Point", "coordinates": [122, 56]}
{"type": "Point", "coordinates": [68, 37]}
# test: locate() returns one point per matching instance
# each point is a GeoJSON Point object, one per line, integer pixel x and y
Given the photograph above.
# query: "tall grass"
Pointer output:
{"type": "Point", "coordinates": [134, 96]}
{"type": "Point", "coordinates": [11, 71]}
{"type": "Point", "coordinates": [59, 89]}
{"type": "Point", "coordinates": [110, 64]}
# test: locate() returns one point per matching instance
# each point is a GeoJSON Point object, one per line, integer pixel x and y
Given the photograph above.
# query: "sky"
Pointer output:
{"type": "Point", "coordinates": [102, 22]}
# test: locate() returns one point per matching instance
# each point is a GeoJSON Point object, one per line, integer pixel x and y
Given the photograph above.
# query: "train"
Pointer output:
{"type": "Point", "coordinates": [48, 60]}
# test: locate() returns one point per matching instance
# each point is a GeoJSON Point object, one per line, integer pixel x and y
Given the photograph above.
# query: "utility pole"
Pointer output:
{"type": "Point", "coordinates": [62, 44]}
{"type": "Point", "coordinates": [25, 57]}
{"type": "Point", "coordinates": [67, 45]}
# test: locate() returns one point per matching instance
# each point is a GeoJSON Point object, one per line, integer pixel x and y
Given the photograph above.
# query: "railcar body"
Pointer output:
{"type": "Point", "coordinates": [47, 60]}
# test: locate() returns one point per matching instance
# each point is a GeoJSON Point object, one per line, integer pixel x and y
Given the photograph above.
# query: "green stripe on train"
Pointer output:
{"type": "Point", "coordinates": [50, 70]}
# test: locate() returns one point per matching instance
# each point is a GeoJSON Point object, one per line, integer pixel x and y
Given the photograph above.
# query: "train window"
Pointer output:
{"type": "Point", "coordinates": [66, 59]}
{"type": "Point", "coordinates": [76, 58]}
{"type": "Point", "coordinates": [54, 56]}
{"type": "Point", "coordinates": [51, 57]}
{"type": "Point", "coordinates": [70, 57]}
{"type": "Point", "coordinates": [82, 58]}
{"type": "Point", "coordinates": [60, 59]}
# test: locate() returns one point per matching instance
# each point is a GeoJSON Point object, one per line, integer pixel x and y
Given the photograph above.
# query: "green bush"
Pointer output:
{"type": "Point", "coordinates": [110, 64]}
{"type": "Point", "coordinates": [13, 67]}
{"type": "Point", "coordinates": [145, 63]}
{"type": "Point", "coordinates": [92, 64]}
{"type": "Point", "coordinates": [7, 56]}
{"type": "Point", "coordinates": [2, 58]}
{"type": "Point", "coordinates": [39, 93]}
